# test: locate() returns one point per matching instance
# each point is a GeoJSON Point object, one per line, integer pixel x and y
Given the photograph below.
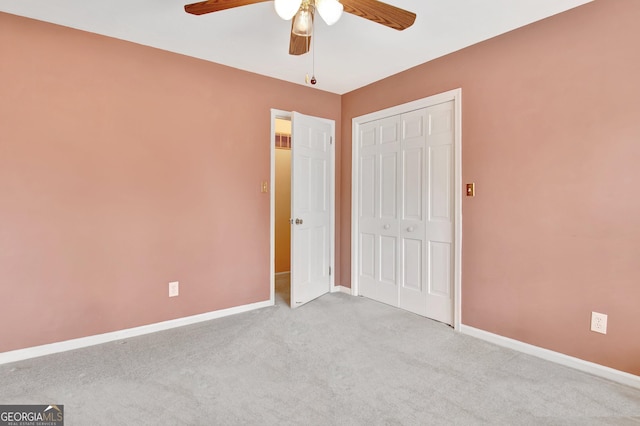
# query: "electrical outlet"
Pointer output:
{"type": "Point", "coordinates": [174, 288]}
{"type": "Point", "coordinates": [599, 322]}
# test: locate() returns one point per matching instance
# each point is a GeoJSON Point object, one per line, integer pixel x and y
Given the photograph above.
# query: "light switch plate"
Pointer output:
{"type": "Point", "coordinates": [471, 189]}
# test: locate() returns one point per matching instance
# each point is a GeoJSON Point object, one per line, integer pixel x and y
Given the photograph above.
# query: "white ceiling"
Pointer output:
{"type": "Point", "coordinates": [350, 54]}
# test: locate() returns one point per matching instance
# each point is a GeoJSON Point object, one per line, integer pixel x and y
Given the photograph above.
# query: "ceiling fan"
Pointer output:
{"type": "Point", "coordinates": [302, 12]}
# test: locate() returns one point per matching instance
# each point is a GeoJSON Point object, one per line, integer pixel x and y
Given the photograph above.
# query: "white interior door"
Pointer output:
{"type": "Point", "coordinates": [406, 210]}
{"type": "Point", "coordinates": [311, 207]}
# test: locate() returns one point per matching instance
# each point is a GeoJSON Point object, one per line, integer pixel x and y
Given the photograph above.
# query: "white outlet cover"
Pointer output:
{"type": "Point", "coordinates": [599, 322]}
{"type": "Point", "coordinates": [174, 288]}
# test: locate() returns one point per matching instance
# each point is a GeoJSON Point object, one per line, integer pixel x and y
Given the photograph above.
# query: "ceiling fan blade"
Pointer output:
{"type": "Point", "coordinates": [382, 13]}
{"type": "Point", "coordinates": [216, 5]}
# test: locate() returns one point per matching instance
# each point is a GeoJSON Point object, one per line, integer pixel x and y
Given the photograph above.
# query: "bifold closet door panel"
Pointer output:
{"type": "Point", "coordinates": [378, 180]}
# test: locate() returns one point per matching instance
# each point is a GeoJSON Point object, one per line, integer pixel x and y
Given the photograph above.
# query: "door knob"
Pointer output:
{"type": "Point", "coordinates": [298, 221]}
{"type": "Point", "coordinates": [387, 226]}
{"type": "Point", "coordinates": [410, 229]}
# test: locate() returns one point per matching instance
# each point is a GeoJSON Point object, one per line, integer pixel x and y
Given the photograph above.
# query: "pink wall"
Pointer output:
{"type": "Point", "coordinates": [551, 136]}
{"type": "Point", "coordinates": [123, 168]}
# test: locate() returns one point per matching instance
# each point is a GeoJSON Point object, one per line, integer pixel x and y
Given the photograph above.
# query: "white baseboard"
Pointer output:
{"type": "Point", "coordinates": [341, 289]}
{"type": "Point", "coordinates": [83, 342]}
{"type": "Point", "coordinates": [566, 360]}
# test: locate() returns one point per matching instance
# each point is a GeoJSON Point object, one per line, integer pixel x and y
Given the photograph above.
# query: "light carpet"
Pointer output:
{"type": "Point", "coordinates": [339, 360]}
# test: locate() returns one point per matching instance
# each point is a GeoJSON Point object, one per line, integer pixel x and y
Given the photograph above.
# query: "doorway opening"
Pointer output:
{"type": "Point", "coordinates": [282, 194]}
{"type": "Point", "coordinates": [303, 167]}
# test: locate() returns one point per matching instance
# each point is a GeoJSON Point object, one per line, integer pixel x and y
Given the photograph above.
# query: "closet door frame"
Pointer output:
{"type": "Point", "coordinates": [452, 95]}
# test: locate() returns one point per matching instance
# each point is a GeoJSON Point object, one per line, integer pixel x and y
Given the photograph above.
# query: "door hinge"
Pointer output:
{"type": "Point", "coordinates": [329, 270]}
{"type": "Point", "coordinates": [331, 140]}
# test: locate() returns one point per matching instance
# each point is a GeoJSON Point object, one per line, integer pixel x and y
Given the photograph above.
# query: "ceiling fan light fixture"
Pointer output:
{"type": "Point", "coordinates": [303, 22]}
{"type": "Point", "coordinates": [286, 9]}
{"type": "Point", "coordinates": [330, 10]}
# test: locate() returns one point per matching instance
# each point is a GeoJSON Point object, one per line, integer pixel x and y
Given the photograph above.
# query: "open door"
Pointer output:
{"type": "Point", "coordinates": [312, 156]}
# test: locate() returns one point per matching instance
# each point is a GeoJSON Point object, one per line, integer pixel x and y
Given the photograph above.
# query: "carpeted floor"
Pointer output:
{"type": "Point", "coordinates": [339, 360]}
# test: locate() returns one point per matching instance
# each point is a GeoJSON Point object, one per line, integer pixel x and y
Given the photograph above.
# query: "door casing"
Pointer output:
{"type": "Point", "coordinates": [452, 95]}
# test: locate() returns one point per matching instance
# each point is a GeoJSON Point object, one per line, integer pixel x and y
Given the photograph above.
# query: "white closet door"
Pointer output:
{"type": "Point", "coordinates": [413, 207]}
{"type": "Point", "coordinates": [440, 211]}
{"type": "Point", "coordinates": [379, 197]}
{"type": "Point", "coordinates": [405, 191]}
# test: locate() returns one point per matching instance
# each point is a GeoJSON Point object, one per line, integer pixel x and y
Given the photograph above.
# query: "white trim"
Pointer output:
{"type": "Point", "coordinates": [98, 339]}
{"type": "Point", "coordinates": [451, 95]}
{"type": "Point", "coordinates": [332, 197]}
{"type": "Point", "coordinates": [275, 113]}
{"type": "Point", "coordinates": [341, 289]}
{"type": "Point", "coordinates": [457, 205]}
{"type": "Point", "coordinates": [566, 360]}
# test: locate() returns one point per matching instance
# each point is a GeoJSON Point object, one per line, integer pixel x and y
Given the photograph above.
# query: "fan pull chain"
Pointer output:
{"type": "Point", "coordinates": [307, 42]}
{"type": "Point", "coordinates": [313, 56]}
